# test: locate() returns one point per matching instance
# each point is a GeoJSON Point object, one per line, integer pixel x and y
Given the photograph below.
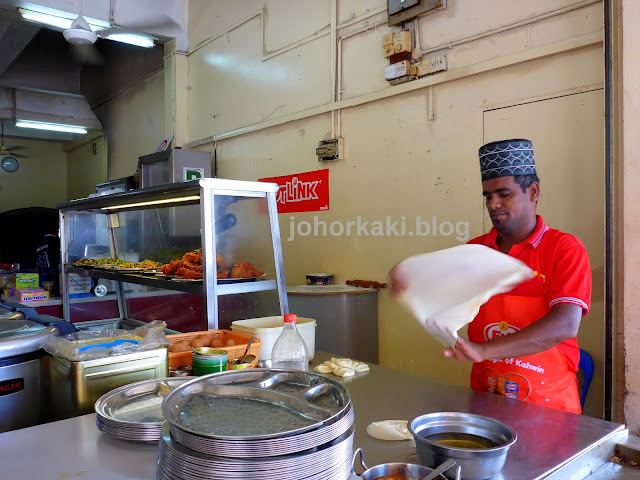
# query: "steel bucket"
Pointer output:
{"type": "Point", "coordinates": [494, 439]}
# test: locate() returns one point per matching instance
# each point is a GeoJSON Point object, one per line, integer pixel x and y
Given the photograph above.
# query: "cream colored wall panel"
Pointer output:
{"type": "Point", "coordinates": [363, 63]}
{"type": "Point", "coordinates": [232, 87]}
{"type": "Point", "coordinates": [463, 19]}
{"type": "Point", "coordinates": [301, 18]}
{"type": "Point", "coordinates": [555, 29]}
{"type": "Point", "coordinates": [208, 18]}
{"type": "Point", "coordinates": [570, 161]}
{"type": "Point", "coordinates": [133, 124]}
{"type": "Point", "coordinates": [41, 179]}
{"type": "Point", "coordinates": [87, 167]}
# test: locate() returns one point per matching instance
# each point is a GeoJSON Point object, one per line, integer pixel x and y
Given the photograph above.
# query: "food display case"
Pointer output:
{"type": "Point", "coordinates": [231, 248]}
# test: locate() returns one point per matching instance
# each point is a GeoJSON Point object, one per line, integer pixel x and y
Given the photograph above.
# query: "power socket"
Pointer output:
{"type": "Point", "coordinates": [388, 51]}
{"type": "Point", "coordinates": [429, 66]}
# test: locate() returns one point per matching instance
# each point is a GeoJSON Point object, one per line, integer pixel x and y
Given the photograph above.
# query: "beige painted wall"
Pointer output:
{"type": "Point", "coordinates": [41, 179]}
{"type": "Point", "coordinates": [87, 167]}
{"type": "Point", "coordinates": [405, 156]}
{"type": "Point", "coordinates": [627, 117]}
{"type": "Point", "coordinates": [133, 124]}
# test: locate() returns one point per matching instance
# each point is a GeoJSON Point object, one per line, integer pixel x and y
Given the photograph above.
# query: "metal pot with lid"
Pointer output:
{"type": "Point", "coordinates": [23, 371]}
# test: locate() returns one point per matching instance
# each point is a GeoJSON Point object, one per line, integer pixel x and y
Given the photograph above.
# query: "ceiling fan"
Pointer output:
{"type": "Point", "coordinates": [10, 150]}
{"type": "Point", "coordinates": [82, 38]}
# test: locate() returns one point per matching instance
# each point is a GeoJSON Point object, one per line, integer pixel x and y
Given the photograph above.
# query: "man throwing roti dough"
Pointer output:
{"type": "Point", "coordinates": [523, 343]}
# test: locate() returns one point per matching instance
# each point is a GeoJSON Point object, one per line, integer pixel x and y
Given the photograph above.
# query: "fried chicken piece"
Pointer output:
{"type": "Point", "coordinates": [222, 263]}
{"type": "Point", "coordinates": [191, 274]}
{"type": "Point", "coordinates": [172, 267]}
{"type": "Point", "coordinates": [242, 270]}
{"type": "Point", "coordinates": [223, 273]}
{"type": "Point", "coordinates": [192, 258]}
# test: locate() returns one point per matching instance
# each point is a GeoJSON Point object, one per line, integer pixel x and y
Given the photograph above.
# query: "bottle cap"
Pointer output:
{"type": "Point", "coordinates": [290, 318]}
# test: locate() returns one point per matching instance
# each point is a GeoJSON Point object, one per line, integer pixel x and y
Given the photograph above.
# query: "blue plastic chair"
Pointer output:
{"type": "Point", "coordinates": [586, 365]}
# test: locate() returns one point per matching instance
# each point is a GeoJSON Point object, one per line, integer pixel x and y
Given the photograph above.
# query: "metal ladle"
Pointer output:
{"type": "Point", "coordinates": [442, 468]}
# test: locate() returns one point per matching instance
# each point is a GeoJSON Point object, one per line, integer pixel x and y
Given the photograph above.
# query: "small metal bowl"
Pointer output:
{"type": "Point", "coordinates": [249, 362]}
{"type": "Point", "coordinates": [493, 439]}
{"type": "Point", "coordinates": [407, 471]}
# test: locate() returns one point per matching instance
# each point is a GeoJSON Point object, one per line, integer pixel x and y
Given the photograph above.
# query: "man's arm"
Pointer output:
{"type": "Point", "coordinates": [560, 324]}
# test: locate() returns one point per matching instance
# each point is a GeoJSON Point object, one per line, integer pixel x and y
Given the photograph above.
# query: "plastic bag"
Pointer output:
{"type": "Point", "coordinates": [445, 289]}
{"type": "Point", "coordinates": [90, 345]}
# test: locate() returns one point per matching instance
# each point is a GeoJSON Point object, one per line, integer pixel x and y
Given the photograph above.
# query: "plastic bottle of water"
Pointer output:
{"type": "Point", "coordinates": [289, 351]}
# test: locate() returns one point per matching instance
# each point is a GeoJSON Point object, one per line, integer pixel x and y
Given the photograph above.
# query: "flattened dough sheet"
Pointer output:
{"type": "Point", "coordinates": [445, 289]}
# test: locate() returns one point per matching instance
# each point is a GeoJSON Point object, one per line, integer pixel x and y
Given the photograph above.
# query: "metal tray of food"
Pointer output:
{"type": "Point", "coordinates": [255, 404]}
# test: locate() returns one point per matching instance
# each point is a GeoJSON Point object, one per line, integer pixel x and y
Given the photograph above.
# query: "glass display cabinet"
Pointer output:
{"type": "Point", "coordinates": [222, 236]}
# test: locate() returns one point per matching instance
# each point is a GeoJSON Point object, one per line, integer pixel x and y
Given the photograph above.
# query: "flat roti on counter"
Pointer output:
{"type": "Point", "coordinates": [445, 289]}
{"type": "Point", "coordinates": [390, 430]}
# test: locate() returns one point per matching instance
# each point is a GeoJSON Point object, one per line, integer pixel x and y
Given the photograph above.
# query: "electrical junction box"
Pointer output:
{"type": "Point", "coordinates": [429, 66]}
{"type": "Point", "coordinates": [396, 70]}
{"type": "Point", "coordinates": [329, 150]}
{"type": "Point", "coordinates": [388, 51]}
{"type": "Point", "coordinates": [402, 42]}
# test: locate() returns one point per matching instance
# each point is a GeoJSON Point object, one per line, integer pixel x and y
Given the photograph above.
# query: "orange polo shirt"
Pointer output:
{"type": "Point", "coordinates": [562, 262]}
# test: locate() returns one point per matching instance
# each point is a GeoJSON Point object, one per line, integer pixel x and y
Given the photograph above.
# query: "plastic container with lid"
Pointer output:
{"type": "Point", "coordinates": [290, 352]}
{"type": "Point", "coordinates": [267, 329]}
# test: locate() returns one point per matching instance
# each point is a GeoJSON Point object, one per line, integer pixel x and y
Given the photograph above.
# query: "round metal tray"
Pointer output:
{"type": "Point", "coordinates": [331, 461]}
{"type": "Point", "coordinates": [266, 448]}
{"type": "Point", "coordinates": [255, 404]}
{"type": "Point", "coordinates": [134, 412]}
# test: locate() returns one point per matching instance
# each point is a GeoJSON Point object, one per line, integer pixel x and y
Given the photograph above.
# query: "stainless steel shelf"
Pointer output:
{"type": "Point", "coordinates": [196, 288]}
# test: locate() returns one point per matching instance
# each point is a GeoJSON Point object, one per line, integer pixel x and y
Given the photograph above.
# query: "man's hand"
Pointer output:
{"type": "Point", "coordinates": [466, 351]}
{"type": "Point", "coordinates": [560, 324]}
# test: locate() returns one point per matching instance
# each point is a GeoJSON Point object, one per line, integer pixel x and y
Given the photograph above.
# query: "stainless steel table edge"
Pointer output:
{"type": "Point", "coordinates": [584, 463]}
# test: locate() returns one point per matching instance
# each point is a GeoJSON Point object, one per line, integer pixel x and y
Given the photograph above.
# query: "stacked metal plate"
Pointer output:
{"type": "Point", "coordinates": [258, 424]}
{"type": "Point", "coordinates": [134, 412]}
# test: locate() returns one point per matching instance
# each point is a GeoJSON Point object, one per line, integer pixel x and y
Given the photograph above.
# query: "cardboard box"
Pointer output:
{"type": "Point", "coordinates": [26, 295]}
{"type": "Point", "coordinates": [27, 280]}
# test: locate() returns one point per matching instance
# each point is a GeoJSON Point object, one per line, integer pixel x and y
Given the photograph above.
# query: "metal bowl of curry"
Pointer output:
{"type": "Point", "coordinates": [392, 471]}
{"type": "Point", "coordinates": [478, 444]}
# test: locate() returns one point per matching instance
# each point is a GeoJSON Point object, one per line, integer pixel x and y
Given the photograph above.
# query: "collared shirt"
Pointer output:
{"type": "Point", "coordinates": [561, 262]}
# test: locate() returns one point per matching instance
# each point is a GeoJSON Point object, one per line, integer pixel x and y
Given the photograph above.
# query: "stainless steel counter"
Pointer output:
{"type": "Point", "coordinates": [551, 444]}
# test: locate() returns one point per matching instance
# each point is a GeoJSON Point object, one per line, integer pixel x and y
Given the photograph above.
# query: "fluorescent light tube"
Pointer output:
{"type": "Point", "coordinates": [153, 202]}
{"type": "Point", "coordinates": [58, 18]}
{"type": "Point", "coordinates": [47, 19]}
{"type": "Point", "coordinates": [132, 39]}
{"type": "Point", "coordinates": [56, 127]}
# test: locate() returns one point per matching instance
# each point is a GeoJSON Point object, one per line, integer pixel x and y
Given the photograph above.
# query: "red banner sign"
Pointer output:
{"type": "Point", "coordinates": [302, 192]}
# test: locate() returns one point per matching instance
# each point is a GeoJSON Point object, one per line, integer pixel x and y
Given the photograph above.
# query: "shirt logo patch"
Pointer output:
{"type": "Point", "coordinates": [495, 330]}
